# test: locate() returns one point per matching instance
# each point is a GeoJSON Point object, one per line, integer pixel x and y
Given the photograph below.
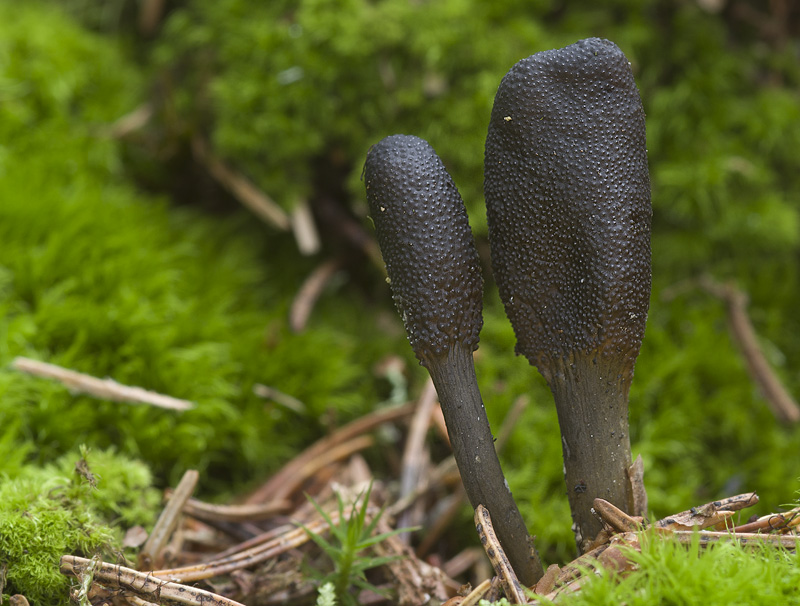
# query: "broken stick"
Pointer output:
{"type": "Point", "coordinates": [103, 389]}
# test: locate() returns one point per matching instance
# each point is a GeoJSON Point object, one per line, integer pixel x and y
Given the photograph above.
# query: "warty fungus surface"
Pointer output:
{"type": "Point", "coordinates": [568, 207]}
{"type": "Point", "coordinates": [434, 272]}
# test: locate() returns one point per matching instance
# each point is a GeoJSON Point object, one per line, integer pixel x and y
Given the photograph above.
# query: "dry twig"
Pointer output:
{"type": "Point", "coordinates": [277, 396]}
{"type": "Point", "coordinates": [473, 597]}
{"type": "Point", "coordinates": [337, 452]}
{"type": "Point", "coordinates": [416, 581]}
{"type": "Point", "coordinates": [777, 396]}
{"type": "Point", "coordinates": [462, 561]}
{"type": "Point", "coordinates": [773, 522]}
{"type": "Point", "coordinates": [254, 542]}
{"type": "Point", "coordinates": [240, 187]}
{"type": "Point", "coordinates": [282, 485]}
{"type": "Point", "coordinates": [438, 476]}
{"type": "Point", "coordinates": [150, 555]}
{"type": "Point", "coordinates": [416, 457]}
{"type": "Point", "coordinates": [451, 506]}
{"type": "Point", "coordinates": [745, 538]}
{"type": "Point", "coordinates": [104, 389]}
{"type": "Point", "coordinates": [310, 291]}
{"type": "Point", "coordinates": [304, 229]}
{"type": "Point", "coordinates": [144, 585]}
{"type": "Point", "coordinates": [235, 513]}
{"type": "Point", "coordinates": [259, 566]}
{"type": "Point", "coordinates": [508, 579]}
{"type": "Point", "coordinates": [150, 14]}
{"type": "Point", "coordinates": [289, 539]}
{"type": "Point", "coordinates": [130, 122]}
{"type": "Point", "coordinates": [510, 421]}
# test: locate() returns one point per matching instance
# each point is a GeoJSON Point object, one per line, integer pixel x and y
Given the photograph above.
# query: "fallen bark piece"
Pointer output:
{"type": "Point", "coordinates": [698, 520]}
{"type": "Point", "coordinates": [610, 555]}
{"type": "Point", "coordinates": [708, 514]}
{"type": "Point", "coordinates": [617, 519]}
{"type": "Point", "coordinates": [142, 585]}
{"type": "Point", "coordinates": [737, 502]}
{"type": "Point", "coordinates": [636, 476]}
{"type": "Point", "coordinates": [104, 389]}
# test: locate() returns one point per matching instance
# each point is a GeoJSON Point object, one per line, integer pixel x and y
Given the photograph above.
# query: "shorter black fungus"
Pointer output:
{"type": "Point", "coordinates": [424, 235]}
{"type": "Point", "coordinates": [434, 273]}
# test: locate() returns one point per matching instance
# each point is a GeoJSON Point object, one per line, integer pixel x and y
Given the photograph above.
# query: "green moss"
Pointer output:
{"type": "Point", "coordinates": [667, 572]}
{"type": "Point", "coordinates": [97, 277]}
{"type": "Point", "coordinates": [672, 573]}
{"type": "Point", "coordinates": [287, 87]}
{"type": "Point", "coordinates": [50, 511]}
{"type": "Point", "coordinates": [53, 72]}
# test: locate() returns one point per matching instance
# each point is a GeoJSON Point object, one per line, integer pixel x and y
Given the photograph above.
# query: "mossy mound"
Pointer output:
{"type": "Point", "coordinates": [78, 504]}
{"type": "Point", "coordinates": [99, 278]}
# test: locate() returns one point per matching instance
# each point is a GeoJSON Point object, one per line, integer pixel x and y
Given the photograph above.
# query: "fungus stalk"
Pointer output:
{"type": "Point", "coordinates": [434, 272]}
{"type": "Point", "coordinates": [568, 207]}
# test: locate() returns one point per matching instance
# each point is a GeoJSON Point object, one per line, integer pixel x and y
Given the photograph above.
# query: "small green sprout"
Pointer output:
{"type": "Point", "coordinates": [351, 536]}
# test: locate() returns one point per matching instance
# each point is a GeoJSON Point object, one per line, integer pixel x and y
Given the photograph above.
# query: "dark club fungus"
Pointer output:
{"type": "Point", "coordinates": [436, 282]}
{"type": "Point", "coordinates": [568, 206]}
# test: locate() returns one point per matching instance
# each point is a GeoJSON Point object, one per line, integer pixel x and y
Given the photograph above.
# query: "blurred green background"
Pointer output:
{"type": "Point", "coordinates": [121, 254]}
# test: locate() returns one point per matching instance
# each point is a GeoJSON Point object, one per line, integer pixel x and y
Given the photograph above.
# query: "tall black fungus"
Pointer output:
{"type": "Point", "coordinates": [568, 205]}
{"type": "Point", "coordinates": [434, 272]}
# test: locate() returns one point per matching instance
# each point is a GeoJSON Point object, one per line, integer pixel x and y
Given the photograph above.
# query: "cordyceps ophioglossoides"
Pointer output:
{"type": "Point", "coordinates": [436, 282]}
{"type": "Point", "coordinates": [568, 205]}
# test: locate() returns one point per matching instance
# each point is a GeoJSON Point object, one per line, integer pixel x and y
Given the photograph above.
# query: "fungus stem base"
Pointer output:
{"type": "Point", "coordinates": [591, 395]}
{"type": "Point", "coordinates": [473, 446]}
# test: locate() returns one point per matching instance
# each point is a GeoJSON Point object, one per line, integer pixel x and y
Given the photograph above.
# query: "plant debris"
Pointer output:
{"type": "Point", "coordinates": [260, 552]}
{"type": "Point", "coordinates": [106, 389]}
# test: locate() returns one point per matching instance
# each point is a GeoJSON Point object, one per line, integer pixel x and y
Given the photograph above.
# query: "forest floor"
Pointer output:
{"type": "Point", "coordinates": [327, 529]}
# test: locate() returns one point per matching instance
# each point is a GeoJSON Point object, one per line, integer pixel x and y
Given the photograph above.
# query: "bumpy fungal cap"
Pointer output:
{"type": "Point", "coordinates": [427, 244]}
{"type": "Point", "coordinates": [568, 203]}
